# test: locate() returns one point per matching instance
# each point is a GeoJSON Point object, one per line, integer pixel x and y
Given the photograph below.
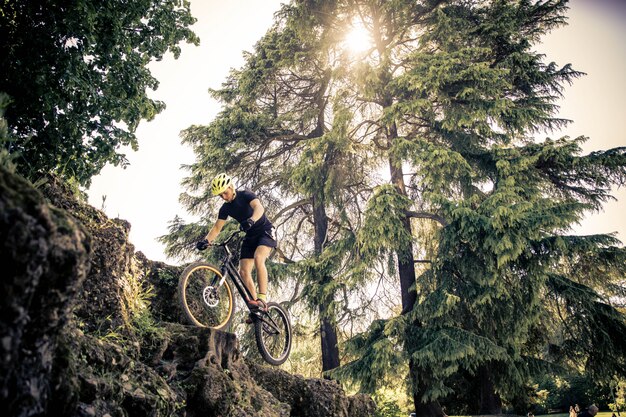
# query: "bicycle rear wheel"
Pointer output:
{"type": "Point", "coordinates": [204, 302]}
{"type": "Point", "coordinates": [272, 331]}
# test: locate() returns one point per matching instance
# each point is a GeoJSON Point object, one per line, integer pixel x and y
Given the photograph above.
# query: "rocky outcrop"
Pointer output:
{"type": "Point", "coordinates": [99, 307]}
{"type": "Point", "coordinates": [312, 397]}
{"type": "Point", "coordinates": [163, 279]}
{"type": "Point", "coordinates": [44, 255]}
{"type": "Point", "coordinates": [91, 328]}
{"type": "Point", "coordinates": [217, 381]}
{"type": "Point", "coordinates": [109, 382]}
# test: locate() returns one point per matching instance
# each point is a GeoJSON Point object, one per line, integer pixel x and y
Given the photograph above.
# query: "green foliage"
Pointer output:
{"type": "Point", "coordinates": [445, 171]}
{"type": "Point", "coordinates": [388, 408]}
{"type": "Point", "coordinates": [6, 159]}
{"type": "Point", "coordinates": [559, 392]}
{"type": "Point", "coordinates": [181, 239]}
{"type": "Point", "coordinates": [78, 76]}
{"type": "Point", "coordinates": [305, 351]}
{"type": "Point", "coordinates": [619, 395]}
{"type": "Point", "coordinates": [383, 230]}
{"type": "Point", "coordinates": [593, 331]}
{"type": "Point", "coordinates": [140, 334]}
{"type": "Point", "coordinates": [376, 356]}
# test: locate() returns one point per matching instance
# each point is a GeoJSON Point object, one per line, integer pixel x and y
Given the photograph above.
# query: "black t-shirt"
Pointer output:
{"type": "Point", "coordinates": [240, 210]}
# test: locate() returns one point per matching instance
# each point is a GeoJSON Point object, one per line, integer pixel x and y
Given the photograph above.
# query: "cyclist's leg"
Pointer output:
{"type": "Point", "coordinates": [260, 255]}
{"type": "Point", "coordinates": [246, 263]}
{"type": "Point", "coordinates": [245, 270]}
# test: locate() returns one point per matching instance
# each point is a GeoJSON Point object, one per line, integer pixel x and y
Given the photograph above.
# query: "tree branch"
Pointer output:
{"type": "Point", "coordinates": [425, 215]}
{"type": "Point", "coordinates": [289, 207]}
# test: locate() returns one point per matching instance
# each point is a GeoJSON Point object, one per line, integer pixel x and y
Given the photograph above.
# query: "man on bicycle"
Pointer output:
{"type": "Point", "coordinates": [245, 207]}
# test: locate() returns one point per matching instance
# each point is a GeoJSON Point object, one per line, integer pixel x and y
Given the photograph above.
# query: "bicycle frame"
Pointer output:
{"type": "Point", "coordinates": [228, 268]}
{"type": "Point", "coordinates": [208, 301]}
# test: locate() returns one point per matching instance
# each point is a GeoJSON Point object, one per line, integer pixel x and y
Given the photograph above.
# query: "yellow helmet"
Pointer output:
{"type": "Point", "coordinates": [220, 183]}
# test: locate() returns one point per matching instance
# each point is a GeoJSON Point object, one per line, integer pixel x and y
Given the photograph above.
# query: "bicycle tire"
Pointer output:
{"type": "Point", "coordinates": [197, 298]}
{"type": "Point", "coordinates": [273, 347]}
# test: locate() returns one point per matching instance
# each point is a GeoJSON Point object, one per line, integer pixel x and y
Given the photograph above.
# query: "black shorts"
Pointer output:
{"type": "Point", "coordinates": [250, 243]}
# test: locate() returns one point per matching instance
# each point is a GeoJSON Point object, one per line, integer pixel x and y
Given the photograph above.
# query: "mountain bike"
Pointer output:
{"type": "Point", "coordinates": [207, 299]}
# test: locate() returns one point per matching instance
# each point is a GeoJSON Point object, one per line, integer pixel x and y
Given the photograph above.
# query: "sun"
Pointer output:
{"type": "Point", "coordinates": [358, 39]}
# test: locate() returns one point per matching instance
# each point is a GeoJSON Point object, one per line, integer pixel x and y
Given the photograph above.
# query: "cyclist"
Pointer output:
{"type": "Point", "coordinates": [245, 207]}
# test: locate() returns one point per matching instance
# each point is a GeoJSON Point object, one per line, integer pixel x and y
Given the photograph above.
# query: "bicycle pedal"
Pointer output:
{"type": "Point", "coordinates": [257, 305]}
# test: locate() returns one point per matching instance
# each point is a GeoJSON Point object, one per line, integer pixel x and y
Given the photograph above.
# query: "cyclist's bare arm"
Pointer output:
{"type": "Point", "coordinates": [257, 209]}
{"type": "Point", "coordinates": [215, 230]}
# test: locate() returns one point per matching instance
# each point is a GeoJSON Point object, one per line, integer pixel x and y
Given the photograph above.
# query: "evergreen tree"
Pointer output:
{"type": "Point", "coordinates": [480, 91]}
{"type": "Point", "coordinates": [454, 92]}
{"type": "Point", "coordinates": [281, 134]}
{"type": "Point", "coordinates": [393, 28]}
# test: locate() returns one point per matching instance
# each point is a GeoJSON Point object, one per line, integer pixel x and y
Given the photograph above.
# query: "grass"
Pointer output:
{"type": "Point", "coordinates": [600, 414]}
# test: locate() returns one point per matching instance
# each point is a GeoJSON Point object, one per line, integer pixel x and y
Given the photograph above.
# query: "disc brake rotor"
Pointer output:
{"type": "Point", "coordinates": [210, 296]}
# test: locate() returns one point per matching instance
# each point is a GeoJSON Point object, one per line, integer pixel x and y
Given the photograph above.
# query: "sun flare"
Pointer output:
{"type": "Point", "coordinates": [358, 39]}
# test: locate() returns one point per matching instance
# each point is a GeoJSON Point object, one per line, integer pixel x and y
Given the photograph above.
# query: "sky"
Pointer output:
{"type": "Point", "coordinates": [146, 193]}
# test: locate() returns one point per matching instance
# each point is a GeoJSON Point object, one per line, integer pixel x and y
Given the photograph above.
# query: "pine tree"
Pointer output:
{"type": "Point", "coordinates": [480, 91]}
{"type": "Point", "coordinates": [280, 133]}
{"type": "Point", "coordinates": [454, 92]}
{"type": "Point", "coordinates": [392, 27]}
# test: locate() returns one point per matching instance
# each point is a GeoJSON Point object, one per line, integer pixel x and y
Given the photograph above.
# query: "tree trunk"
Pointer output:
{"type": "Point", "coordinates": [490, 402]}
{"type": "Point", "coordinates": [420, 383]}
{"type": "Point", "coordinates": [406, 273]}
{"type": "Point", "coordinates": [330, 350]}
{"type": "Point", "coordinates": [406, 266]}
{"type": "Point", "coordinates": [328, 332]}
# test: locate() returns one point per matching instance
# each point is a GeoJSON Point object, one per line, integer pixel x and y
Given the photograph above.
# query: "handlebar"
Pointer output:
{"type": "Point", "coordinates": [228, 239]}
{"type": "Point", "coordinates": [223, 244]}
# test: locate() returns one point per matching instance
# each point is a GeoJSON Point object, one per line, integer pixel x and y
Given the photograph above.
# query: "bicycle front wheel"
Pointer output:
{"type": "Point", "coordinates": [273, 334]}
{"type": "Point", "coordinates": [204, 301]}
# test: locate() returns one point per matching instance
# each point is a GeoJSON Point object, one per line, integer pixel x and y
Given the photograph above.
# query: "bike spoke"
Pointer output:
{"type": "Point", "coordinates": [270, 325]}
{"type": "Point", "coordinates": [275, 336]}
{"type": "Point", "coordinates": [210, 305]}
